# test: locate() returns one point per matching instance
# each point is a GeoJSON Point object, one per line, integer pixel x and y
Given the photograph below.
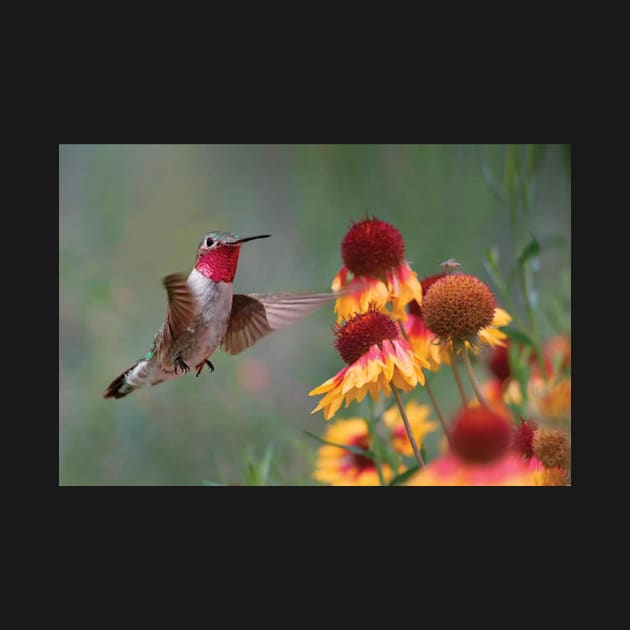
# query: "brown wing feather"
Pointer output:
{"type": "Point", "coordinates": [255, 315]}
{"type": "Point", "coordinates": [181, 311]}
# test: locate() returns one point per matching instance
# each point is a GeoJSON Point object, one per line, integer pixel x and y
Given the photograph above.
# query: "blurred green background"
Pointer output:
{"type": "Point", "coordinates": [131, 214]}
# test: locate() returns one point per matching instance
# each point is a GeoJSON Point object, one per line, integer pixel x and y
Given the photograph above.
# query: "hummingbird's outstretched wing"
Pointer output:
{"type": "Point", "coordinates": [181, 311]}
{"type": "Point", "coordinates": [255, 315]}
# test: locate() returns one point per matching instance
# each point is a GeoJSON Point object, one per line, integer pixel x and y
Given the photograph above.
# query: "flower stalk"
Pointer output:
{"type": "Point", "coordinates": [473, 379]}
{"type": "Point", "coordinates": [403, 414]}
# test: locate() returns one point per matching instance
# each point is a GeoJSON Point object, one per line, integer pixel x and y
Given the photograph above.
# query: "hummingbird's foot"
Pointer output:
{"type": "Point", "coordinates": [200, 367]}
{"type": "Point", "coordinates": [179, 363]}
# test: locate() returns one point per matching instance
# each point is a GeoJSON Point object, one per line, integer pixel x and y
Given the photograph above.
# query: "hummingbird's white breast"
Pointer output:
{"type": "Point", "coordinates": [214, 300]}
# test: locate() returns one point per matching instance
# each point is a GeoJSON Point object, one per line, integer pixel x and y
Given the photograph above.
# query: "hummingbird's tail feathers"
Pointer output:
{"type": "Point", "coordinates": [120, 386]}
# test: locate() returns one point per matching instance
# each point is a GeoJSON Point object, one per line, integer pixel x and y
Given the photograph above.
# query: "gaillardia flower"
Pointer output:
{"type": "Point", "coordinates": [458, 306]}
{"type": "Point", "coordinates": [374, 252]}
{"type": "Point", "coordinates": [418, 416]}
{"type": "Point", "coordinates": [376, 356]}
{"type": "Point", "coordinates": [480, 455]}
{"type": "Point", "coordinates": [340, 467]}
{"type": "Point", "coordinates": [436, 348]}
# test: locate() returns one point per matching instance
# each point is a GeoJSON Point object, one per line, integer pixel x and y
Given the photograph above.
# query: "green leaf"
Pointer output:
{"type": "Point", "coordinates": [530, 250]}
{"type": "Point", "coordinates": [398, 479]}
{"type": "Point", "coordinates": [535, 153]}
{"type": "Point", "coordinates": [492, 183]}
{"type": "Point", "coordinates": [509, 173]}
{"type": "Point", "coordinates": [518, 336]}
{"type": "Point", "coordinates": [346, 447]}
{"type": "Point", "coordinates": [265, 465]}
{"type": "Point", "coordinates": [251, 475]}
{"type": "Point", "coordinates": [390, 458]}
{"type": "Point", "coordinates": [207, 482]}
{"type": "Point", "coordinates": [491, 265]}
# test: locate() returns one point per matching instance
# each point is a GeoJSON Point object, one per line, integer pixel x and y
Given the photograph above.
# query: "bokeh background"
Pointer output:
{"type": "Point", "coordinates": [129, 215]}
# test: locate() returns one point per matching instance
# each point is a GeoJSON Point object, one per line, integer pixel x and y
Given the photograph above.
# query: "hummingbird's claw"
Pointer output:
{"type": "Point", "coordinates": [180, 363]}
{"type": "Point", "coordinates": [200, 367]}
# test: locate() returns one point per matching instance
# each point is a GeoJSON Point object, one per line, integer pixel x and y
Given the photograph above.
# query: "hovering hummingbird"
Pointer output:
{"type": "Point", "coordinates": [203, 313]}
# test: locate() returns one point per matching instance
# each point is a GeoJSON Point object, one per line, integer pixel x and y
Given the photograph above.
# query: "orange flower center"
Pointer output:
{"type": "Point", "coordinates": [360, 333]}
{"type": "Point", "coordinates": [458, 306]}
{"type": "Point", "coordinates": [427, 283]}
{"type": "Point", "coordinates": [372, 247]}
{"type": "Point", "coordinates": [551, 447]}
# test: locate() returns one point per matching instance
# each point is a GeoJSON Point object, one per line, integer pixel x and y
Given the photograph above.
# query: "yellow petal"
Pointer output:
{"type": "Point", "coordinates": [501, 317]}
{"type": "Point", "coordinates": [323, 388]}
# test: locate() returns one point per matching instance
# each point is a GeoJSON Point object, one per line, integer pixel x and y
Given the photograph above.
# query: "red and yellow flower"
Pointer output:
{"type": "Point", "coordinates": [480, 454]}
{"type": "Point", "coordinates": [460, 313]}
{"type": "Point", "coordinates": [451, 470]}
{"type": "Point", "coordinates": [340, 467]}
{"type": "Point", "coordinates": [376, 357]}
{"type": "Point", "coordinates": [374, 253]}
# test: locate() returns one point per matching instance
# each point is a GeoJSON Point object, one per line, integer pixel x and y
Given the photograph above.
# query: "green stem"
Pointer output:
{"type": "Point", "coordinates": [458, 380]}
{"type": "Point", "coordinates": [471, 376]}
{"type": "Point", "coordinates": [431, 395]}
{"type": "Point", "coordinates": [414, 446]}
{"type": "Point", "coordinates": [375, 447]}
{"type": "Point", "coordinates": [533, 331]}
{"type": "Point", "coordinates": [523, 186]}
{"type": "Point", "coordinates": [438, 413]}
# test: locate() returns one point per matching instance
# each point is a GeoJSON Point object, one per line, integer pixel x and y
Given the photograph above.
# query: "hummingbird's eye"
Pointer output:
{"type": "Point", "coordinates": [209, 242]}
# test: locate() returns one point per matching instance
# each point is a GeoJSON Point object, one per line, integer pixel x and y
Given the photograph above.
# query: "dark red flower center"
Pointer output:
{"type": "Point", "coordinates": [480, 435]}
{"type": "Point", "coordinates": [357, 462]}
{"type": "Point", "coordinates": [524, 438]}
{"type": "Point", "coordinates": [359, 334]}
{"type": "Point", "coordinates": [372, 247]}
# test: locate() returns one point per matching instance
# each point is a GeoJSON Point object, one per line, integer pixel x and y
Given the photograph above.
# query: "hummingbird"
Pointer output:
{"type": "Point", "coordinates": [203, 313]}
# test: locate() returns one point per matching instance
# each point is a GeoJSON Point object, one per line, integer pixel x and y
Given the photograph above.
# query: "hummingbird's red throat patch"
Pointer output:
{"type": "Point", "coordinates": [219, 264]}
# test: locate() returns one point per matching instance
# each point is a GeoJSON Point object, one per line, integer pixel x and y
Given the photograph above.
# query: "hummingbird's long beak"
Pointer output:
{"type": "Point", "coordinates": [249, 238]}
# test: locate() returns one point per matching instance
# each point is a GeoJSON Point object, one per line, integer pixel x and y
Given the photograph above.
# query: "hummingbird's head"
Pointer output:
{"type": "Point", "coordinates": [217, 255]}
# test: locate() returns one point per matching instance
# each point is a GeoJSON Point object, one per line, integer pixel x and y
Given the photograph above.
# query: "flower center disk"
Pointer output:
{"type": "Point", "coordinates": [427, 283]}
{"type": "Point", "coordinates": [480, 435]}
{"type": "Point", "coordinates": [458, 306]}
{"type": "Point", "coordinates": [360, 333]}
{"type": "Point", "coordinates": [372, 247]}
